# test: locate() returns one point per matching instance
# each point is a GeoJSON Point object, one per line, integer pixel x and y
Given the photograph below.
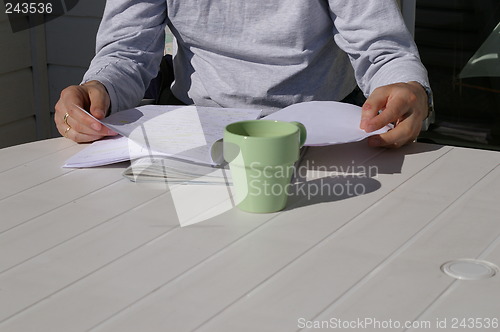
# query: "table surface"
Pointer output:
{"type": "Point", "coordinates": [86, 249]}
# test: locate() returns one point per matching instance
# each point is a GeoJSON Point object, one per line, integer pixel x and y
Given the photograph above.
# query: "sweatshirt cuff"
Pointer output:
{"type": "Point", "coordinates": [400, 72]}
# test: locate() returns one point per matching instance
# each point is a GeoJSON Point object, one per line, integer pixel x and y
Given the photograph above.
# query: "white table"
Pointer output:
{"type": "Point", "coordinates": [86, 249]}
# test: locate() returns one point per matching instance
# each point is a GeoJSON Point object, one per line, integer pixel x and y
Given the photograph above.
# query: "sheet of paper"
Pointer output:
{"type": "Point", "coordinates": [184, 132]}
{"type": "Point", "coordinates": [108, 151]}
{"type": "Point", "coordinates": [327, 122]}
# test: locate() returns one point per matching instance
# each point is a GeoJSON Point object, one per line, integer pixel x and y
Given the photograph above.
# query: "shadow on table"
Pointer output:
{"type": "Point", "coordinates": [330, 189]}
{"type": "Point", "coordinates": [339, 172]}
{"type": "Point", "coordinates": [354, 157]}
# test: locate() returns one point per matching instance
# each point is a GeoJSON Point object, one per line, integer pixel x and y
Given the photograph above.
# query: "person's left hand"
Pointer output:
{"type": "Point", "coordinates": [403, 104]}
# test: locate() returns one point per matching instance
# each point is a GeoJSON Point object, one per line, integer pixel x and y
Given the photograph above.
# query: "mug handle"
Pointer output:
{"type": "Point", "coordinates": [303, 132]}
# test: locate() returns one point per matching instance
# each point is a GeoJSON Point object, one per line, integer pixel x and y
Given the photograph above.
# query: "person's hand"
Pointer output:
{"type": "Point", "coordinates": [404, 105]}
{"type": "Point", "coordinates": [72, 122]}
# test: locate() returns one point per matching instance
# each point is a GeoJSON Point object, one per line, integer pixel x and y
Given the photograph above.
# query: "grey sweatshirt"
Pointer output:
{"type": "Point", "coordinates": [257, 54]}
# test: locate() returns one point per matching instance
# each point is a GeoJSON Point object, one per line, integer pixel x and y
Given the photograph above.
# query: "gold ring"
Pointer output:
{"type": "Point", "coordinates": [65, 119]}
{"type": "Point", "coordinates": [66, 131]}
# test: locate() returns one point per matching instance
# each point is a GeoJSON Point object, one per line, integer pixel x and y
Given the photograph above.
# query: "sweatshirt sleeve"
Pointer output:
{"type": "Point", "coordinates": [129, 48]}
{"type": "Point", "coordinates": [379, 46]}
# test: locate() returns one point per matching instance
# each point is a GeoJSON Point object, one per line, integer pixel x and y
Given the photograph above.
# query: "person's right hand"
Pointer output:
{"type": "Point", "coordinates": [72, 122]}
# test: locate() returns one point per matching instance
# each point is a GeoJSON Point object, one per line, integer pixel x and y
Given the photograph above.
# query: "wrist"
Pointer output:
{"type": "Point", "coordinates": [430, 115]}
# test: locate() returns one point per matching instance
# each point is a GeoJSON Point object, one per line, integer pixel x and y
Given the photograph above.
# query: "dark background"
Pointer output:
{"type": "Point", "coordinates": [448, 33]}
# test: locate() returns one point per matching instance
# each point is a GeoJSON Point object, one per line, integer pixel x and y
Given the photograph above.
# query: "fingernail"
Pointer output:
{"type": "Point", "coordinates": [99, 114]}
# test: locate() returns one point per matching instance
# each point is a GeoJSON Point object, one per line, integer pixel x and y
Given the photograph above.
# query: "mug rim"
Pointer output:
{"type": "Point", "coordinates": [283, 123]}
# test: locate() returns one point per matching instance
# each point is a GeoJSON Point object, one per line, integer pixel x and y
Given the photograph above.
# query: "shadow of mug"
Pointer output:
{"type": "Point", "coordinates": [329, 189]}
{"type": "Point", "coordinates": [338, 172]}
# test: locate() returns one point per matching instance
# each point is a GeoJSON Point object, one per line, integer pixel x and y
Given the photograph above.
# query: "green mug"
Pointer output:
{"type": "Point", "coordinates": [261, 156]}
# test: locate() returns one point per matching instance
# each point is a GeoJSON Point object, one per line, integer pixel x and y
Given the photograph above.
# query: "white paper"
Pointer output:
{"type": "Point", "coordinates": [184, 132]}
{"type": "Point", "coordinates": [108, 151]}
{"type": "Point", "coordinates": [326, 122]}
{"type": "Point", "coordinates": [176, 171]}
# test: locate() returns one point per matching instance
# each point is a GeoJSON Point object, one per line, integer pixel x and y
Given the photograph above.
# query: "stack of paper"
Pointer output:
{"type": "Point", "coordinates": [174, 170]}
{"type": "Point", "coordinates": [179, 142]}
{"type": "Point", "coordinates": [183, 143]}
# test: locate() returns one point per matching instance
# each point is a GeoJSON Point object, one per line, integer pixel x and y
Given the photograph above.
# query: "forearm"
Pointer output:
{"type": "Point", "coordinates": [129, 47]}
{"type": "Point", "coordinates": [380, 48]}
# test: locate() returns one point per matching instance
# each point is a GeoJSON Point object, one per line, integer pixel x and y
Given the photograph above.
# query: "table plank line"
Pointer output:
{"type": "Point", "coordinates": [85, 249]}
{"type": "Point", "coordinates": [466, 289]}
{"type": "Point", "coordinates": [221, 250]}
{"type": "Point", "coordinates": [39, 153]}
{"type": "Point", "coordinates": [149, 242]}
{"type": "Point", "coordinates": [267, 223]}
{"type": "Point", "coordinates": [37, 158]}
{"type": "Point", "coordinates": [181, 274]}
{"type": "Point", "coordinates": [223, 247]}
{"type": "Point", "coordinates": [53, 208]}
{"type": "Point", "coordinates": [68, 171]}
{"type": "Point", "coordinates": [94, 228]}
{"type": "Point", "coordinates": [401, 249]}
{"type": "Point", "coordinates": [65, 297]}
{"type": "Point", "coordinates": [456, 282]}
{"type": "Point", "coordinates": [110, 219]}
{"type": "Point", "coordinates": [6, 319]}
{"type": "Point", "coordinates": [249, 295]}
{"type": "Point", "coordinates": [319, 243]}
